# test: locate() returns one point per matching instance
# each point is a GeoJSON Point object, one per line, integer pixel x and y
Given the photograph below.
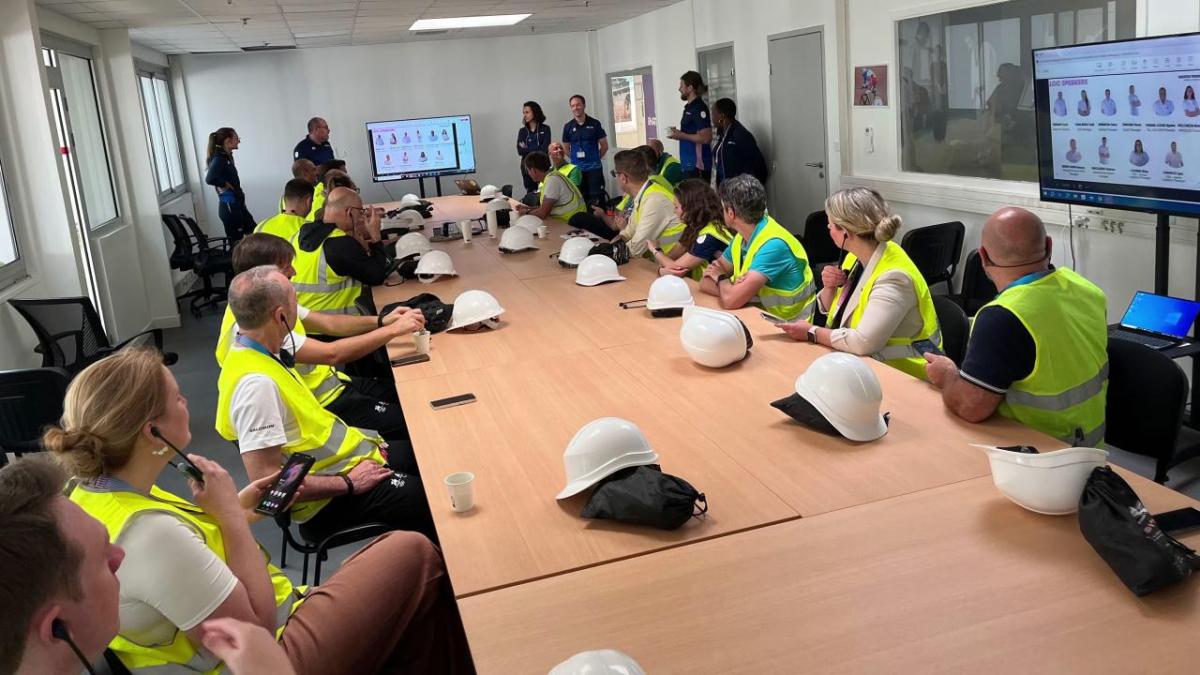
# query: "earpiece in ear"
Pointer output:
{"type": "Point", "coordinates": [58, 628]}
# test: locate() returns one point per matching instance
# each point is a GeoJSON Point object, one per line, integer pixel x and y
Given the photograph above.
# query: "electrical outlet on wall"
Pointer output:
{"type": "Point", "coordinates": [870, 133]}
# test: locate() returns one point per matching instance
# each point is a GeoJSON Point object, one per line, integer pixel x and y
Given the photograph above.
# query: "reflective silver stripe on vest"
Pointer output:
{"type": "Point", "coordinates": [330, 383]}
{"type": "Point", "coordinates": [774, 300]}
{"type": "Point", "coordinates": [323, 285]}
{"type": "Point", "coordinates": [337, 310]}
{"type": "Point", "coordinates": [668, 239]}
{"type": "Point", "coordinates": [1092, 439]}
{"type": "Point", "coordinates": [896, 352]}
{"type": "Point", "coordinates": [1059, 402]}
{"type": "Point", "coordinates": [329, 448]}
{"type": "Point", "coordinates": [363, 449]}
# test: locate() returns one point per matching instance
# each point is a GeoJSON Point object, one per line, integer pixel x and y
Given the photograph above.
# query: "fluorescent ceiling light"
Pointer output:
{"type": "Point", "coordinates": [468, 22]}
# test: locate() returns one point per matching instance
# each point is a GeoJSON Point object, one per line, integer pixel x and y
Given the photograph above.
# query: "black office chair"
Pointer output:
{"type": "Point", "coordinates": [818, 245]}
{"type": "Point", "coordinates": [210, 256]}
{"type": "Point", "coordinates": [321, 548]}
{"type": "Point", "coordinates": [1144, 412]}
{"type": "Point", "coordinates": [30, 400]}
{"type": "Point", "coordinates": [506, 190]}
{"type": "Point", "coordinates": [935, 250]}
{"type": "Point", "coordinates": [954, 326]}
{"type": "Point", "coordinates": [977, 289]}
{"type": "Point", "coordinates": [70, 335]}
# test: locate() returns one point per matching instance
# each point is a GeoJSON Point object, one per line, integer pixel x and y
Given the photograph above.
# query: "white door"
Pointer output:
{"type": "Point", "coordinates": [797, 185]}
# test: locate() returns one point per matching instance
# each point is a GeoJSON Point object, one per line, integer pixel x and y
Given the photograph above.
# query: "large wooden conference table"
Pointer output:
{"type": "Point", "coordinates": [817, 553]}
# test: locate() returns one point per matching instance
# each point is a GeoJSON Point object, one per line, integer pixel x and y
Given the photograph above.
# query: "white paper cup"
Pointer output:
{"type": "Point", "coordinates": [421, 340]}
{"type": "Point", "coordinates": [542, 231]}
{"type": "Point", "coordinates": [465, 227]}
{"type": "Point", "coordinates": [461, 486]}
{"type": "Point", "coordinates": [493, 224]}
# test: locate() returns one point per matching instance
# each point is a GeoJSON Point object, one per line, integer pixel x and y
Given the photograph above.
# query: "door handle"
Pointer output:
{"type": "Point", "coordinates": [815, 165]}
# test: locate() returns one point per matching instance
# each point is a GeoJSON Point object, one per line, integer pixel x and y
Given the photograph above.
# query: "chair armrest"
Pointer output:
{"type": "Point", "coordinates": [155, 332]}
{"type": "Point", "coordinates": [350, 535]}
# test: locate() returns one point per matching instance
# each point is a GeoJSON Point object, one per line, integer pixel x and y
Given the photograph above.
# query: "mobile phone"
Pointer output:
{"type": "Point", "coordinates": [409, 360]}
{"type": "Point", "coordinates": [1178, 521]}
{"type": "Point", "coordinates": [772, 318]}
{"type": "Point", "coordinates": [927, 347]}
{"type": "Point", "coordinates": [284, 488]}
{"type": "Point", "coordinates": [461, 399]}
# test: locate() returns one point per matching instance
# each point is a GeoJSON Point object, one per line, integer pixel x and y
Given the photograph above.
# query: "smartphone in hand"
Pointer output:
{"type": "Point", "coordinates": [280, 494]}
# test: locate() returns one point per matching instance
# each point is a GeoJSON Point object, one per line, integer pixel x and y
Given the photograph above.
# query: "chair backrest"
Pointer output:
{"type": "Point", "coordinates": [935, 250]}
{"type": "Point", "coordinates": [69, 331]}
{"type": "Point", "coordinates": [181, 256]}
{"type": "Point", "coordinates": [955, 327]}
{"type": "Point", "coordinates": [1146, 395]}
{"type": "Point", "coordinates": [816, 240]}
{"type": "Point", "coordinates": [30, 400]}
{"type": "Point", "coordinates": [977, 289]}
{"type": "Point", "coordinates": [199, 235]}
{"type": "Point", "coordinates": [506, 190]}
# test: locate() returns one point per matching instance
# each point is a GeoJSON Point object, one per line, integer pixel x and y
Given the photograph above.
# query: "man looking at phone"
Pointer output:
{"type": "Point", "coordinates": [263, 405]}
{"type": "Point", "coordinates": [1038, 353]}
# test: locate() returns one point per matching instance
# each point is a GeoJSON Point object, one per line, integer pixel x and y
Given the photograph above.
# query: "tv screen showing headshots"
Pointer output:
{"type": "Point", "coordinates": [1118, 124]}
{"type": "Point", "coordinates": [421, 148]}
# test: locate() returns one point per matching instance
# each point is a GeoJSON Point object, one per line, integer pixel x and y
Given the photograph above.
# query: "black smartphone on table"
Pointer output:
{"type": "Point", "coordinates": [1179, 521]}
{"type": "Point", "coordinates": [280, 494]}
{"type": "Point", "coordinates": [409, 360]}
{"type": "Point", "coordinates": [461, 399]}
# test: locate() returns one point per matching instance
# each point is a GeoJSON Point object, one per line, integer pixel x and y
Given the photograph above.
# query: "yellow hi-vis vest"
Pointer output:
{"type": "Point", "coordinates": [572, 173]}
{"type": "Point", "coordinates": [785, 303]}
{"type": "Point", "coordinates": [899, 352]}
{"type": "Point", "coordinates": [662, 171]}
{"type": "Point", "coordinates": [282, 225]}
{"type": "Point", "coordinates": [325, 382]}
{"type": "Point", "coordinates": [115, 508]}
{"type": "Point", "coordinates": [563, 211]}
{"type": "Point", "coordinates": [317, 286]}
{"type": "Point", "coordinates": [336, 446]}
{"type": "Point", "coordinates": [1064, 396]}
{"type": "Point", "coordinates": [655, 188]}
{"type": "Point", "coordinates": [712, 229]}
{"type": "Point", "coordinates": [318, 202]}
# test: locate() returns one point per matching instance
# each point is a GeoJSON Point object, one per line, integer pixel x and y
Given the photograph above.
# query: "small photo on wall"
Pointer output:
{"type": "Point", "coordinates": [870, 86]}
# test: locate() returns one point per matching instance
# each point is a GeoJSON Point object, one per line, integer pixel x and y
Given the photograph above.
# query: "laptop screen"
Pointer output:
{"type": "Point", "coordinates": [1161, 314]}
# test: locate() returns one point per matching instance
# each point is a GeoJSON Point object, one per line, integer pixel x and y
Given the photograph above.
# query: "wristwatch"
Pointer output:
{"type": "Point", "coordinates": [812, 335]}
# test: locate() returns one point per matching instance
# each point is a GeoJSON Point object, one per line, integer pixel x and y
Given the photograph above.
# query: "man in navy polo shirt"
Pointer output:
{"type": "Point", "coordinates": [586, 144]}
{"type": "Point", "coordinates": [315, 146]}
{"type": "Point", "coordinates": [695, 129]}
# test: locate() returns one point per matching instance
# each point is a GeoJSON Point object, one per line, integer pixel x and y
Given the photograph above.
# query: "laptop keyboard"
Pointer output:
{"type": "Point", "coordinates": [1152, 342]}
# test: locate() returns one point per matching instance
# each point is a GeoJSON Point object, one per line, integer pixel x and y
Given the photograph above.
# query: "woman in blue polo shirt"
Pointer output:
{"type": "Point", "coordinates": [223, 175]}
{"type": "Point", "coordinates": [534, 136]}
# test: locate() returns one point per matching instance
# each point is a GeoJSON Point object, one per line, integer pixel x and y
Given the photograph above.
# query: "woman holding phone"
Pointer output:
{"type": "Point", "coordinates": [388, 608]}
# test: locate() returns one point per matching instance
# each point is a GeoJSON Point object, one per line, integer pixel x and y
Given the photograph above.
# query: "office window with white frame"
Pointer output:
{"type": "Point", "coordinates": [161, 132]}
{"type": "Point", "coordinates": [12, 267]}
{"type": "Point", "coordinates": [965, 88]}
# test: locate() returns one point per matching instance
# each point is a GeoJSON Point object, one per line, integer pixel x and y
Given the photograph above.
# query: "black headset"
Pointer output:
{"type": "Point", "coordinates": [58, 628]}
{"type": "Point", "coordinates": [191, 470]}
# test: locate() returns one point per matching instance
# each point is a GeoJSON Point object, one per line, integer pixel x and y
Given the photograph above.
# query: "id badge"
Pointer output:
{"type": "Point", "coordinates": [581, 154]}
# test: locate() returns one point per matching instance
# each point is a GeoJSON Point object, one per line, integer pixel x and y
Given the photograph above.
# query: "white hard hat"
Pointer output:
{"type": "Point", "coordinates": [433, 265]}
{"type": "Point", "coordinates": [598, 662]}
{"type": "Point", "coordinates": [597, 269]}
{"type": "Point", "coordinates": [410, 219]}
{"type": "Point", "coordinates": [489, 192]}
{"type": "Point", "coordinates": [516, 239]}
{"type": "Point", "coordinates": [669, 292]}
{"type": "Point", "coordinates": [529, 222]}
{"type": "Point", "coordinates": [1050, 482]}
{"type": "Point", "coordinates": [409, 200]}
{"type": "Point", "coordinates": [499, 205]}
{"type": "Point", "coordinates": [601, 448]}
{"type": "Point", "coordinates": [846, 393]}
{"type": "Point", "coordinates": [472, 307]}
{"type": "Point", "coordinates": [713, 338]}
{"type": "Point", "coordinates": [573, 251]}
{"type": "Point", "coordinates": [412, 244]}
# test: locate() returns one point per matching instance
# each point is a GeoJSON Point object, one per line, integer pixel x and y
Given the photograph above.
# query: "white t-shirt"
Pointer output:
{"type": "Point", "coordinates": [557, 187]}
{"type": "Point", "coordinates": [1163, 108]}
{"type": "Point", "coordinates": [169, 579]}
{"type": "Point", "coordinates": [1174, 160]}
{"type": "Point", "coordinates": [259, 415]}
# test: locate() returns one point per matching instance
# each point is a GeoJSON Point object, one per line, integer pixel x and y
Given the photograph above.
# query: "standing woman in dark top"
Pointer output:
{"type": "Point", "coordinates": [534, 136]}
{"type": "Point", "coordinates": [223, 175]}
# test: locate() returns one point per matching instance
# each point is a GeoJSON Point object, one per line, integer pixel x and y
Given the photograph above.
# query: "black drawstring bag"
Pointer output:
{"type": "Point", "coordinates": [437, 313]}
{"type": "Point", "coordinates": [1118, 526]}
{"type": "Point", "coordinates": [618, 251]}
{"type": "Point", "coordinates": [644, 495]}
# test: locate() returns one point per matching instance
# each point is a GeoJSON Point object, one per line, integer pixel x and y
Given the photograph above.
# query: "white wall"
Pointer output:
{"type": "Point", "coordinates": [268, 98]}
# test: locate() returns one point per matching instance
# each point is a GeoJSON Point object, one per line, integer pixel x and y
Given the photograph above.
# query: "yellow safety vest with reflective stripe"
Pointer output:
{"type": "Point", "coordinates": [325, 382]}
{"type": "Point", "coordinates": [115, 508]}
{"type": "Point", "coordinates": [1064, 396]}
{"type": "Point", "coordinates": [899, 351]}
{"type": "Point", "coordinates": [663, 183]}
{"type": "Point", "coordinates": [662, 171]}
{"type": "Point", "coordinates": [282, 225]}
{"type": "Point", "coordinates": [563, 211]}
{"type": "Point", "coordinates": [654, 188]}
{"type": "Point", "coordinates": [785, 303]}
{"type": "Point", "coordinates": [572, 173]}
{"type": "Point", "coordinates": [710, 230]}
{"type": "Point", "coordinates": [336, 446]}
{"type": "Point", "coordinates": [318, 287]}
{"type": "Point", "coordinates": [318, 202]}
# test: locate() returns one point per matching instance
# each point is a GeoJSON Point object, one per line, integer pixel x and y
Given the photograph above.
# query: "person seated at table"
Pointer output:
{"type": "Point", "coordinates": [651, 159]}
{"type": "Point", "coordinates": [558, 157]}
{"type": "Point", "coordinates": [877, 303]}
{"type": "Point", "coordinates": [557, 196]}
{"type": "Point", "coordinates": [389, 608]}
{"type": "Point", "coordinates": [361, 401]}
{"type": "Point", "coordinates": [665, 164]}
{"type": "Point", "coordinates": [1038, 353]}
{"type": "Point", "coordinates": [704, 235]}
{"type": "Point", "coordinates": [296, 205]}
{"type": "Point", "coordinates": [264, 406]}
{"type": "Point", "coordinates": [305, 170]}
{"type": "Point", "coordinates": [341, 256]}
{"type": "Point", "coordinates": [65, 611]}
{"type": "Point", "coordinates": [321, 187]}
{"type": "Point", "coordinates": [652, 205]}
{"type": "Point", "coordinates": [764, 264]}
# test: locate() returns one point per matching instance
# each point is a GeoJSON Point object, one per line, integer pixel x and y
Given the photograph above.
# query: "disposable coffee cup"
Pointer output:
{"type": "Point", "coordinates": [465, 227]}
{"type": "Point", "coordinates": [421, 341]}
{"type": "Point", "coordinates": [542, 231]}
{"type": "Point", "coordinates": [493, 224]}
{"type": "Point", "coordinates": [461, 486]}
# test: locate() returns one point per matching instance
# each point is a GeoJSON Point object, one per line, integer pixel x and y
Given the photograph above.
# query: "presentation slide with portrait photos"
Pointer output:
{"type": "Point", "coordinates": [421, 147]}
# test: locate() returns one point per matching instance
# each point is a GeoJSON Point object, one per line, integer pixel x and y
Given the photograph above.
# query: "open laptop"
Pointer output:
{"type": "Point", "coordinates": [1157, 321]}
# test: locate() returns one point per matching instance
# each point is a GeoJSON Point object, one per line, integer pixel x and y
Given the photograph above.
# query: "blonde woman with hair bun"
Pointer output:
{"type": "Point", "coordinates": [877, 301]}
